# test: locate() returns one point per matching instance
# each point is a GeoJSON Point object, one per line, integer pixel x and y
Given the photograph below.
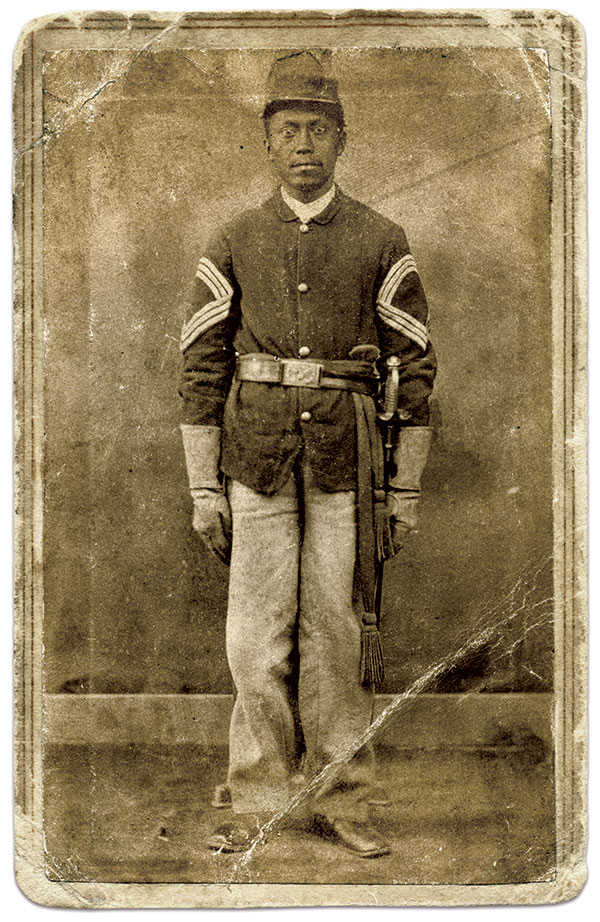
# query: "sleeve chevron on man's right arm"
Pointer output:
{"type": "Point", "coordinates": [211, 318]}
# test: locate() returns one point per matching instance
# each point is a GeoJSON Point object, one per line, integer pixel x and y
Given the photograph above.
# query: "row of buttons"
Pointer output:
{"type": "Point", "coordinates": [303, 351]}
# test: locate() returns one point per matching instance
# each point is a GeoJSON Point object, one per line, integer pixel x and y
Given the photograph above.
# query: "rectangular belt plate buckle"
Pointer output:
{"type": "Point", "coordinates": [297, 373]}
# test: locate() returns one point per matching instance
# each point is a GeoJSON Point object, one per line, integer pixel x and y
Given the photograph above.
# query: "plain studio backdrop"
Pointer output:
{"type": "Point", "coordinates": [452, 144]}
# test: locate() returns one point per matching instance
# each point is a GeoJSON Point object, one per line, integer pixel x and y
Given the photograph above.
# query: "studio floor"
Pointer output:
{"type": "Point", "coordinates": [142, 813]}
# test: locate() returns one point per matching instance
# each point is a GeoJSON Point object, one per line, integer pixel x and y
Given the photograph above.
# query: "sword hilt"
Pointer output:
{"type": "Point", "coordinates": [392, 390]}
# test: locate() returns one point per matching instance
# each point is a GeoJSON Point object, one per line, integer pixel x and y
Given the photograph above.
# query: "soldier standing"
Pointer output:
{"type": "Point", "coordinates": [297, 306]}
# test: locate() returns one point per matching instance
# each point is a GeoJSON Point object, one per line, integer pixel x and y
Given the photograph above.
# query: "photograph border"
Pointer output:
{"type": "Point", "coordinates": [562, 38]}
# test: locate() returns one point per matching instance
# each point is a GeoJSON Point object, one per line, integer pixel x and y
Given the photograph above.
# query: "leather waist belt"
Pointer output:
{"type": "Point", "coordinates": [268, 369]}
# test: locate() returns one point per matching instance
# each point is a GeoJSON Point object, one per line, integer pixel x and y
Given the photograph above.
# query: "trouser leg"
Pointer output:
{"type": "Point", "coordinates": [335, 708]}
{"type": "Point", "coordinates": [261, 629]}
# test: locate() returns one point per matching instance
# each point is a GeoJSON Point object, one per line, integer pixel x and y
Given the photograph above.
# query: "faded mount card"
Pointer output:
{"type": "Point", "coordinates": [137, 136]}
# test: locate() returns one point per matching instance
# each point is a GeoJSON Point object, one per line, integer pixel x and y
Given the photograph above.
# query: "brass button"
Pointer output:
{"type": "Point", "coordinates": [302, 287]}
{"type": "Point", "coordinates": [306, 416]}
{"type": "Point", "coordinates": [304, 228]}
{"type": "Point", "coordinates": [303, 351]}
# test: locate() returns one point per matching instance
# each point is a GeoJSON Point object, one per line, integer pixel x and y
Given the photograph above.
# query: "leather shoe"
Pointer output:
{"type": "Point", "coordinates": [360, 838]}
{"type": "Point", "coordinates": [232, 838]}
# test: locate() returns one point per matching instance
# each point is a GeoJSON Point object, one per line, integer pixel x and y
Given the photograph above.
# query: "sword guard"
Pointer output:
{"type": "Point", "coordinates": [365, 353]}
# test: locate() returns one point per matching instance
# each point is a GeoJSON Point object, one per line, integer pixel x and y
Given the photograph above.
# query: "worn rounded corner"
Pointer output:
{"type": "Point", "coordinates": [573, 883]}
{"type": "Point", "coordinates": [29, 884]}
{"type": "Point", "coordinates": [576, 25]}
{"type": "Point", "coordinates": [34, 25]}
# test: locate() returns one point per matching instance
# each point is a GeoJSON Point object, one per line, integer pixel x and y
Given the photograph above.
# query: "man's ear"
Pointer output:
{"type": "Point", "coordinates": [267, 145]}
{"type": "Point", "coordinates": [341, 142]}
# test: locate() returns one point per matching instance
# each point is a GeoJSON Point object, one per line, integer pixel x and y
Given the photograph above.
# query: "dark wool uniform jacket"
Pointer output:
{"type": "Point", "coordinates": [268, 283]}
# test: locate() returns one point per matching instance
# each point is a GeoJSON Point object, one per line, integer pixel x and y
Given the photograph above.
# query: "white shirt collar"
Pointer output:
{"type": "Point", "coordinates": [311, 209]}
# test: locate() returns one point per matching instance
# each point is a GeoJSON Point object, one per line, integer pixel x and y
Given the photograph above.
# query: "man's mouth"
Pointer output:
{"type": "Point", "coordinates": [305, 163]}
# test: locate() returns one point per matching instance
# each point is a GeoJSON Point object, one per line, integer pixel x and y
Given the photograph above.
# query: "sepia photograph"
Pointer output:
{"type": "Point", "coordinates": [300, 331]}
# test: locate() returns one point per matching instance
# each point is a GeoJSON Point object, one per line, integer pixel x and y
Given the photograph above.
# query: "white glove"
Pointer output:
{"type": "Point", "coordinates": [212, 521]}
{"type": "Point", "coordinates": [402, 500]}
{"type": "Point", "coordinates": [212, 515]}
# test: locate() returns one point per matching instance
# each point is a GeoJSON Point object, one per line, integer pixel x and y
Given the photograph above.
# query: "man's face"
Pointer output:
{"type": "Point", "coordinates": [303, 146]}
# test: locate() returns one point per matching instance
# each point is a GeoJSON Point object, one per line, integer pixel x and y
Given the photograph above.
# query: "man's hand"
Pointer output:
{"type": "Point", "coordinates": [402, 508]}
{"type": "Point", "coordinates": [212, 521]}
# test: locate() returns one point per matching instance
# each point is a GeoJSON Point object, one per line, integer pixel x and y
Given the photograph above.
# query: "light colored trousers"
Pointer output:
{"type": "Point", "coordinates": [293, 645]}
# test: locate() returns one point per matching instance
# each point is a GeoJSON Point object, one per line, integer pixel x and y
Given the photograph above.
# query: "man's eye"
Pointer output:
{"type": "Point", "coordinates": [288, 132]}
{"type": "Point", "coordinates": [320, 129]}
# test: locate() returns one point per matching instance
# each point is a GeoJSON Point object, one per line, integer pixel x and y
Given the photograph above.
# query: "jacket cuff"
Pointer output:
{"type": "Point", "coordinates": [202, 449]}
{"type": "Point", "coordinates": [410, 457]}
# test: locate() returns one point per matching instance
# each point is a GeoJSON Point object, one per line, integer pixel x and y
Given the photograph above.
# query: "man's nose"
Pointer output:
{"type": "Point", "coordinates": [304, 140]}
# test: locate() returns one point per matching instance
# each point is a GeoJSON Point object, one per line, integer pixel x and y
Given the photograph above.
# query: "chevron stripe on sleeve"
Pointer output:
{"type": "Point", "coordinates": [392, 315]}
{"type": "Point", "coordinates": [212, 312]}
